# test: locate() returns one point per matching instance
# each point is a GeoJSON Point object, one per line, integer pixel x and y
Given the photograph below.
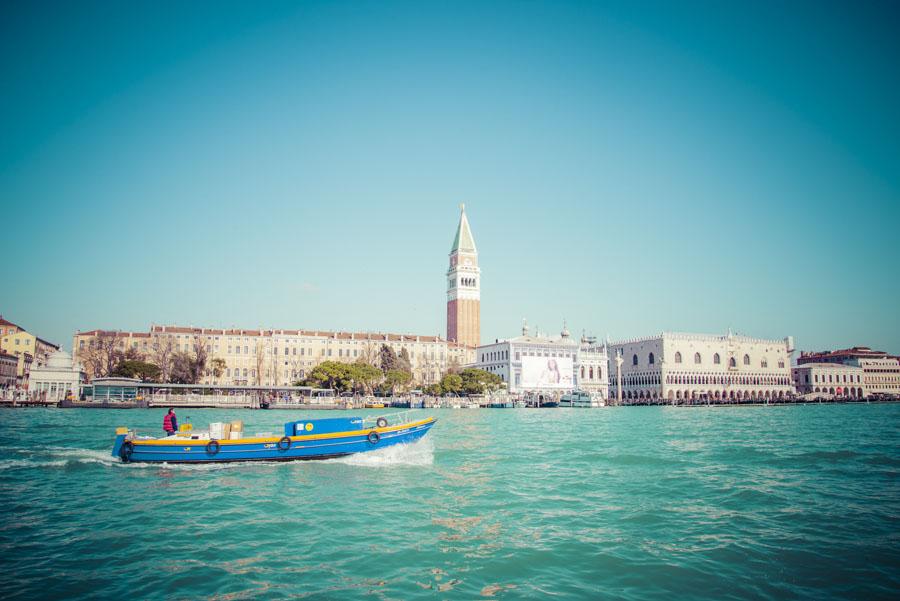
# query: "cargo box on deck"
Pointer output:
{"type": "Point", "coordinates": [308, 427]}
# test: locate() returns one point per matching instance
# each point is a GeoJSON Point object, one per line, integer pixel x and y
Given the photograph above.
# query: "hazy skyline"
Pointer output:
{"type": "Point", "coordinates": [629, 167]}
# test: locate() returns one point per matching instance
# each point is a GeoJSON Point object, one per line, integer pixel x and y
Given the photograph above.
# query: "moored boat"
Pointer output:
{"type": "Point", "coordinates": [302, 439]}
{"type": "Point", "coordinates": [576, 398]}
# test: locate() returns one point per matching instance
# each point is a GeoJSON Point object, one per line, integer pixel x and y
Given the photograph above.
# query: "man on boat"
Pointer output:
{"type": "Point", "coordinates": [170, 423]}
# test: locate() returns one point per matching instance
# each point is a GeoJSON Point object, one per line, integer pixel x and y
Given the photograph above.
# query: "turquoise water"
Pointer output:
{"type": "Point", "coordinates": [625, 503]}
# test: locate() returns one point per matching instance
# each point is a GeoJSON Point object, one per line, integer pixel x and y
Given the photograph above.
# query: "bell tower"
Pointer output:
{"type": "Point", "coordinates": [464, 287]}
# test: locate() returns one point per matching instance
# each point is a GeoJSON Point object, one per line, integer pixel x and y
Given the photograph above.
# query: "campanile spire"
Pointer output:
{"type": "Point", "coordinates": [464, 287]}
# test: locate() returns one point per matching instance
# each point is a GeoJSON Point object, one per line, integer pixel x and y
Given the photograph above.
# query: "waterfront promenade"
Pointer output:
{"type": "Point", "coordinates": [249, 401]}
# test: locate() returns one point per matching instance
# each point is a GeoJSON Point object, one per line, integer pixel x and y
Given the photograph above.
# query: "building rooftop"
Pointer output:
{"type": "Point", "coordinates": [856, 352]}
{"type": "Point", "coordinates": [694, 336]}
{"type": "Point", "coordinates": [825, 365]}
{"type": "Point", "coordinates": [4, 322]}
{"type": "Point", "coordinates": [333, 335]}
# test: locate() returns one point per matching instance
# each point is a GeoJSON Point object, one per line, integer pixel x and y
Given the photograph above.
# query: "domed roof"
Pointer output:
{"type": "Point", "coordinates": [60, 360]}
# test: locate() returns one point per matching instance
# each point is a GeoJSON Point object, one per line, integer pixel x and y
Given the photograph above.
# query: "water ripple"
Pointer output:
{"type": "Point", "coordinates": [625, 503]}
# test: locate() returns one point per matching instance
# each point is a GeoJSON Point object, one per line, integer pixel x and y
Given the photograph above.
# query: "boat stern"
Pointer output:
{"type": "Point", "coordinates": [121, 433]}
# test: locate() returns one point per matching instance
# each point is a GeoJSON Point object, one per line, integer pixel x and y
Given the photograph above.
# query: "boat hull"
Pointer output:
{"type": "Point", "coordinates": [288, 448]}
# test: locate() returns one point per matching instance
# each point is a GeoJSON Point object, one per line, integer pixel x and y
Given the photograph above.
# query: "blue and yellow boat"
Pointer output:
{"type": "Point", "coordinates": [303, 439]}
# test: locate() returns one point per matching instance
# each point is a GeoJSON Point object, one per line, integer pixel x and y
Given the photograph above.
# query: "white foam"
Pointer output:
{"type": "Point", "coordinates": [84, 455]}
{"type": "Point", "coordinates": [420, 453]}
{"type": "Point", "coordinates": [11, 464]}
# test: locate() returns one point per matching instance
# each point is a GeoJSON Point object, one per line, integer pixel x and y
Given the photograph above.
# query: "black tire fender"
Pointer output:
{"type": "Point", "coordinates": [374, 437]}
{"type": "Point", "coordinates": [382, 422]}
{"type": "Point", "coordinates": [212, 447]}
{"type": "Point", "coordinates": [284, 444]}
{"type": "Point", "coordinates": [125, 451]}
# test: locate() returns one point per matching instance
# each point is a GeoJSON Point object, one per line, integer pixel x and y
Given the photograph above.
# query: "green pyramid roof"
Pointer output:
{"type": "Point", "coordinates": [463, 240]}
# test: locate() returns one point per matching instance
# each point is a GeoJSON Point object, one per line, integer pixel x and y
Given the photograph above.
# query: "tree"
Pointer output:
{"type": "Point", "coordinates": [101, 354]}
{"type": "Point", "coordinates": [388, 359]}
{"type": "Point", "coordinates": [396, 379]}
{"type": "Point", "coordinates": [183, 370]}
{"type": "Point", "coordinates": [260, 361]}
{"type": "Point", "coordinates": [217, 366]}
{"type": "Point", "coordinates": [201, 356]}
{"type": "Point", "coordinates": [403, 362]}
{"type": "Point", "coordinates": [479, 381]}
{"type": "Point", "coordinates": [371, 352]}
{"type": "Point", "coordinates": [146, 372]}
{"type": "Point", "coordinates": [132, 354]}
{"type": "Point", "coordinates": [451, 383]}
{"type": "Point", "coordinates": [164, 348]}
{"type": "Point", "coordinates": [330, 374]}
{"type": "Point", "coordinates": [364, 376]}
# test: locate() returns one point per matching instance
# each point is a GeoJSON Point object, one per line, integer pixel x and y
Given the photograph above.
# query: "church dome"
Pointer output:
{"type": "Point", "coordinates": [60, 360]}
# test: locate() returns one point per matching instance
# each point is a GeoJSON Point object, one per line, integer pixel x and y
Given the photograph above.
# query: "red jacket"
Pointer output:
{"type": "Point", "coordinates": [170, 424]}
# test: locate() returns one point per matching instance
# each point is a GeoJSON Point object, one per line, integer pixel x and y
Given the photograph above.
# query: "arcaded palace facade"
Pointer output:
{"type": "Point", "coordinates": [700, 367]}
{"type": "Point", "coordinates": [464, 287]}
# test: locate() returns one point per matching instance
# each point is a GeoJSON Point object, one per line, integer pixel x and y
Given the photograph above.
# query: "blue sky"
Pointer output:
{"type": "Point", "coordinates": [630, 167]}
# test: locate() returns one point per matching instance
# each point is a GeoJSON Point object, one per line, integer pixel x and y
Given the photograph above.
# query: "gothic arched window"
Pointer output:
{"type": "Point", "coordinates": [677, 357]}
{"type": "Point", "coordinates": [651, 359]}
{"type": "Point", "coordinates": [732, 362]}
{"type": "Point", "coordinates": [717, 359]}
{"type": "Point", "coordinates": [746, 359]}
{"type": "Point", "coordinates": [634, 360]}
{"type": "Point", "coordinates": [696, 357]}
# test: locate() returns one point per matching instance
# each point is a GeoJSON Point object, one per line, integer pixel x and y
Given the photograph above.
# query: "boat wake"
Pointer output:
{"type": "Point", "coordinates": [419, 453]}
{"type": "Point", "coordinates": [57, 457]}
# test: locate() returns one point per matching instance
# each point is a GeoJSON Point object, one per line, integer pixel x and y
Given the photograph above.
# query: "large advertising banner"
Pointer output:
{"type": "Point", "coordinates": [546, 372]}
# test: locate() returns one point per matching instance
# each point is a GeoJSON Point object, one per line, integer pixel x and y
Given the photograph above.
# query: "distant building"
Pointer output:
{"type": "Point", "coordinates": [536, 364]}
{"type": "Point", "coordinates": [881, 371]}
{"type": "Point", "coordinates": [701, 367]}
{"type": "Point", "coordinates": [21, 344]}
{"type": "Point", "coordinates": [271, 357]}
{"type": "Point", "coordinates": [8, 327]}
{"type": "Point", "coordinates": [464, 288]}
{"type": "Point", "coordinates": [830, 378]}
{"type": "Point", "coordinates": [60, 377]}
{"type": "Point", "coordinates": [8, 371]}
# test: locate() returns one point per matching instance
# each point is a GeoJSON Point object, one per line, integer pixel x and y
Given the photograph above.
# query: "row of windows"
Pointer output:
{"type": "Point", "coordinates": [698, 359]}
{"type": "Point", "coordinates": [495, 356]}
{"type": "Point", "coordinates": [837, 378]}
{"type": "Point", "coordinates": [590, 373]}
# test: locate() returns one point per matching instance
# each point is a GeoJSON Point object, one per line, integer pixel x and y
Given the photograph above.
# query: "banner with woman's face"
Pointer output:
{"type": "Point", "coordinates": [546, 372]}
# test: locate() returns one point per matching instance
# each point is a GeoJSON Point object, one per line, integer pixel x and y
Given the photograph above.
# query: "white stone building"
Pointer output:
{"type": "Point", "coordinates": [582, 364]}
{"type": "Point", "coordinates": [672, 367]}
{"type": "Point", "coordinates": [881, 372]}
{"type": "Point", "coordinates": [834, 379]}
{"type": "Point", "coordinates": [61, 377]}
